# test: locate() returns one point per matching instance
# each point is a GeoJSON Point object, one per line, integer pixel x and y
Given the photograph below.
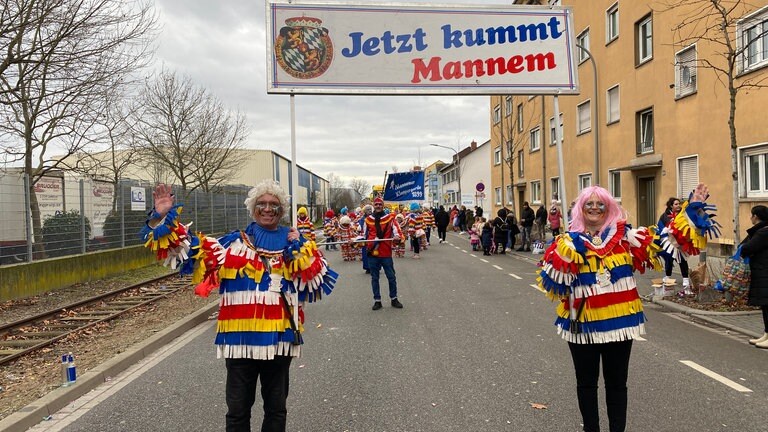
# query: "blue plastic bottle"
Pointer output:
{"type": "Point", "coordinates": [71, 370]}
{"type": "Point", "coordinates": [65, 370]}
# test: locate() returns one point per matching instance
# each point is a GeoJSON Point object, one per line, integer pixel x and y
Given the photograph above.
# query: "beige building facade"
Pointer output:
{"type": "Point", "coordinates": [651, 124]}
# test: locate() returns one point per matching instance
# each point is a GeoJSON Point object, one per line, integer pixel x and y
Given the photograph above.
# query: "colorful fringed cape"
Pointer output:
{"type": "Point", "coordinates": [600, 271]}
{"type": "Point", "coordinates": [249, 268]}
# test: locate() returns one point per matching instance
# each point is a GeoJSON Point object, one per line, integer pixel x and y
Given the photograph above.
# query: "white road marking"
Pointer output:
{"type": "Point", "coordinates": [497, 267]}
{"type": "Point", "coordinates": [515, 276]}
{"type": "Point", "coordinates": [464, 251]}
{"type": "Point", "coordinates": [457, 247]}
{"type": "Point", "coordinates": [538, 288]}
{"type": "Point", "coordinates": [641, 339]}
{"type": "Point", "coordinates": [473, 255]}
{"type": "Point", "coordinates": [483, 260]}
{"type": "Point", "coordinates": [715, 376]}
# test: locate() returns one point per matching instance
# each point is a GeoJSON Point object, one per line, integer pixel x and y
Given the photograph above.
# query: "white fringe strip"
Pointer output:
{"type": "Point", "coordinates": [618, 335]}
{"type": "Point", "coordinates": [258, 352]}
{"type": "Point", "coordinates": [251, 297]}
{"type": "Point", "coordinates": [623, 284]}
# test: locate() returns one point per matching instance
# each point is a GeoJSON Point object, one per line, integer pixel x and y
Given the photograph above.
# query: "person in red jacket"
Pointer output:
{"type": "Point", "coordinates": [381, 225]}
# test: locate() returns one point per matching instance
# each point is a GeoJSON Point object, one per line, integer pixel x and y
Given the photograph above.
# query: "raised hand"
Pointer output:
{"type": "Point", "coordinates": [293, 234]}
{"type": "Point", "coordinates": [163, 198]}
{"type": "Point", "coordinates": [700, 193]}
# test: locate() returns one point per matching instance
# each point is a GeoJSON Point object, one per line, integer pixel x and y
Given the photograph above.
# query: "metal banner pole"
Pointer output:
{"type": "Point", "coordinates": [294, 166]}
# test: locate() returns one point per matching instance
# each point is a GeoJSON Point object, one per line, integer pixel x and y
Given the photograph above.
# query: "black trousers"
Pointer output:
{"type": "Point", "coordinates": [441, 232]}
{"type": "Point", "coordinates": [765, 317]}
{"type": "Point", "coordinates": [669, 263]}
{"type": "Point", "coordinates": [242, 375]}
{"type": "Point", "coordinates": [416, 245]}
{"type": "Point", "coordinates": [586, 362]}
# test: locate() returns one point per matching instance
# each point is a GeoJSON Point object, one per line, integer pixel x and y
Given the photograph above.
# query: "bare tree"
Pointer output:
{"type": "Point", "coordinates": [513, 139]}
{"type": "Point", "coordinates": [60, 59]}
{"type": "Point", "coordinates": [189, 132]}
{"type": "Point", "coordinates": [713, 23]}
{"type": "Point", "coordinates": [336, 189]}
{"type": "Point", "coordinates": [361, 186]}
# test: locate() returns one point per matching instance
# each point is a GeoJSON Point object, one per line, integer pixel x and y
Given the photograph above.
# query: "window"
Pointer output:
{"type": "Point", "coordinates": [753, 40]}
{"type": "Point", "coordinates": [687, 175]}
{"type": "Point", "coordinates": [615, 179]}
{"type": "Point", "coordinates": [583, 40]}
{"type": "Point", "coordinates": [755, 169]}
{"type": "Point", "coordinates": [535, 138]}
{"type": "Point", "coordinates": [554, 183]}
{"type": "Point", "coordinates": [536, 192]}
{"type": "Point", "coordinates": [644, 45]}
{"type": "Point", "coordinates": [508, 106]}
{"type": "Point", "coordinates": [612, 113]}
{"type": "Point", "coordinates": [497, 156]}
{"type": "Point", "coordinates": [497, 114]}
{"type": "Point", "coordinates": [552, 130]}
{"type": "Point", "coordinates": [612, 23]}
{"type": "Point", "coordinates": [645, 131]}
{"type": "Point", "coordinates": [520, 165]}
{"type": "Point", "coordinates": [584, 118]}
{"type": "Point", "coordinates": [509, 194]}
{"type": "Point", "coordinates": [520, 117]}
{"type": "Point", "coordinates": [585, 181]}
{"type": "Point", "coordinates": [685, 71]}
{"type": "Point", "coordinates": [497, 195]}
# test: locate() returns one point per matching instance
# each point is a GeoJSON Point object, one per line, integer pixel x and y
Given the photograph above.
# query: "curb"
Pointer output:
{"type": "Point", "coordinates": [709, 316]}
{"type": "Point", "coordinates": [52, 402]}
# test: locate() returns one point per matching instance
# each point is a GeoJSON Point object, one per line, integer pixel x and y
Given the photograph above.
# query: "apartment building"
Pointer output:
{"type": "Point", "coordinates": [652, 117]}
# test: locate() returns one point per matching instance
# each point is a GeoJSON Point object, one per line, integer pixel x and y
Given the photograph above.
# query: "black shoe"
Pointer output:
{"type": "Point", "coordinates": [367, 272]}
{"type": "Point", "coordinates": [520, 249]}
{"type": "Point", "coordinates": [376, 305]}
{"type": "Point", "coordinates": [396, 304]}
{"type": "Point", "coordinates": [527, 249]}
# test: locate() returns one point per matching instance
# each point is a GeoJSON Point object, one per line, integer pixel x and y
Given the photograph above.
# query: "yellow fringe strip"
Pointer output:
{"type": "Point", "coordinates": [604, 313]}
{"type": "Point", "coordinates": [566, 250]}
{"type": "Point", "coordinates": [681, 222]}
{"type": "Point", "coordinates": [594, 263]}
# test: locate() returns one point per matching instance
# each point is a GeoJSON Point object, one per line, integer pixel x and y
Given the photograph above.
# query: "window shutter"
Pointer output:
{"type": "Point", "coordinates": [685, 71]}
{"type": "Point", "coordinates": [688, 169]}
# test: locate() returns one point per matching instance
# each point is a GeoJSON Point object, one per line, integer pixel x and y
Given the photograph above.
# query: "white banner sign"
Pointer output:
{"type": "Point", "coordinates": [419, 49]}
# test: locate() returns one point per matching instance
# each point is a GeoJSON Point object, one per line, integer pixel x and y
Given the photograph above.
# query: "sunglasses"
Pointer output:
{"type": "Point", "coordinates": [594, 205]}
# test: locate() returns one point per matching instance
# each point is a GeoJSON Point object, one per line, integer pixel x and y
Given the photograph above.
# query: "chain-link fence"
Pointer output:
{"type": "Point", "coordinates": [65, 215]}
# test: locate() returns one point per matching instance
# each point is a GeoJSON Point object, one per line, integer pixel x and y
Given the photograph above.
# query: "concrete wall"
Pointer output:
{"type": "Point", "coordinates": [28, 279]}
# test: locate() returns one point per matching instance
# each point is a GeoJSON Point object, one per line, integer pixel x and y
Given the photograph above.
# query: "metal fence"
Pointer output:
{"type": "Point", "coordinates": [82, 215]}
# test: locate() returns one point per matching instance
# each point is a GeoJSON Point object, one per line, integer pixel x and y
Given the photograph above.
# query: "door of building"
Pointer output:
{"type": "Point", "coordinates": [646, 201]}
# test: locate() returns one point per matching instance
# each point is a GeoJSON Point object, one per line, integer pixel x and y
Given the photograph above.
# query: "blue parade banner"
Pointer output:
{"type": "Point", "coordinates": [406, 186]}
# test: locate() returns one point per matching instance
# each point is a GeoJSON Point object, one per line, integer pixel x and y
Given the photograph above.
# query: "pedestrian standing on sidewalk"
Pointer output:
{"type": "Point", "coordinates": [673, 208]}
{"type": "Point", "coordinates": [540, 223]}
{"type": "Point", "coordinates": [755, 247]}
{"type": "Point", "coordinates": [500, 230]}
{"type": "Point", "coordinates": [264, 275]}
{"type": "Point", "coordinates": [527, 217]}
{"type": "Point", "coordinates": [590, 270]}
{"type": "Point", "coordinates": [555, 218]}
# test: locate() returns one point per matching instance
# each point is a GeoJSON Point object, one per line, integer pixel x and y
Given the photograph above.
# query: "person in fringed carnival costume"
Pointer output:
{"type": "Point", "coordinates": [415, 228]}
{"type": "Point", "coordinates": [304, 224]}
{"type": "Point", "coordinates": [367, 211]}
{"type": "Point", "coordinates": [264, 275]}
{"type": "Point", "coordinates": [382, 231]}
{"type": "Point", "coordinates": [590, 270]}
{"type": "Point", "coordinates": [330, 225]}
{"type": "Point", "coordinates": [429, 222]}
{"type": "Point", "coordinates": [347, 234]}
{"type": "Point", "coordinates": [398, 249]}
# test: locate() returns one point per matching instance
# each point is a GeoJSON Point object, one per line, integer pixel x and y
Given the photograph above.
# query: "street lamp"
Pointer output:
{"type": "Point", "coordinates": [458, 166]}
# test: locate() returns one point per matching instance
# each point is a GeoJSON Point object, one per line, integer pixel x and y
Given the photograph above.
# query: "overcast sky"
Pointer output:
{"type": "Point", "coordinates": [221, 45]}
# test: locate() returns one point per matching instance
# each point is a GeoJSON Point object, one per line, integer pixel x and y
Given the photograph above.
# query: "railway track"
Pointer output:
{"type": "Point", "coordinates": [30, 334]}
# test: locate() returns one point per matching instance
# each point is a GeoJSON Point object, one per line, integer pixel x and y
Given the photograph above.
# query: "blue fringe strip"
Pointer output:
{"type": "Point", "coordinates": [553, 287]}
{"type": "Point", "coordinates": [703, 217]}
{"type": "Point", "coordinates": [253, 338]}
{"type": "Point", "coordinates": [329, 282]}
{"type": "Point", "coordinates": [163, 229]}
{"type": "Point", "coordinates": [605, 325]}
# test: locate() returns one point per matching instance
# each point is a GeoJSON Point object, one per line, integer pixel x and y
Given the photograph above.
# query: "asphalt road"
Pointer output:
{"type": "Point", "coordinates": [472, 350]}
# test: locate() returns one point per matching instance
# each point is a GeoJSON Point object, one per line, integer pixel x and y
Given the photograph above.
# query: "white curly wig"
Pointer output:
{"type": "Point", "coordinates": [264, 187]}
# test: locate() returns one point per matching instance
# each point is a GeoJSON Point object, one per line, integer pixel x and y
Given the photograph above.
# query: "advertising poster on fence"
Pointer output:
{"type": "Point", "coordinates": [49, 192]}
{"type": "Point", "coordinates": [138, 199]}
{"type": "Point", "coordinates": [102, 195]}
{"type": "Point", "coordinates": [366, 48]}
{"type": "Point", "coordinates": [406, 186]}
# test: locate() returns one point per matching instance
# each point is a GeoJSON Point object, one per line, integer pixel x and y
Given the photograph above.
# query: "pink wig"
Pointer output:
{"type": "Point", "coordinates": [613, 211]}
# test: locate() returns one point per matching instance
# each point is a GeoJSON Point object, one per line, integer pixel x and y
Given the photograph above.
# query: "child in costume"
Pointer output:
{"type": "Point", "coordinates": [347, 234]}
{"type": "Point", "coordinates": [330, 225]}
{"type": "Point", "coordinates": [304, 225]}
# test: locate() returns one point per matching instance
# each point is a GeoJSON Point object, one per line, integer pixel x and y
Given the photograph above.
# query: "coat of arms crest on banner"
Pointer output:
{"type": "Point", "coordinates": [303, 48]}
